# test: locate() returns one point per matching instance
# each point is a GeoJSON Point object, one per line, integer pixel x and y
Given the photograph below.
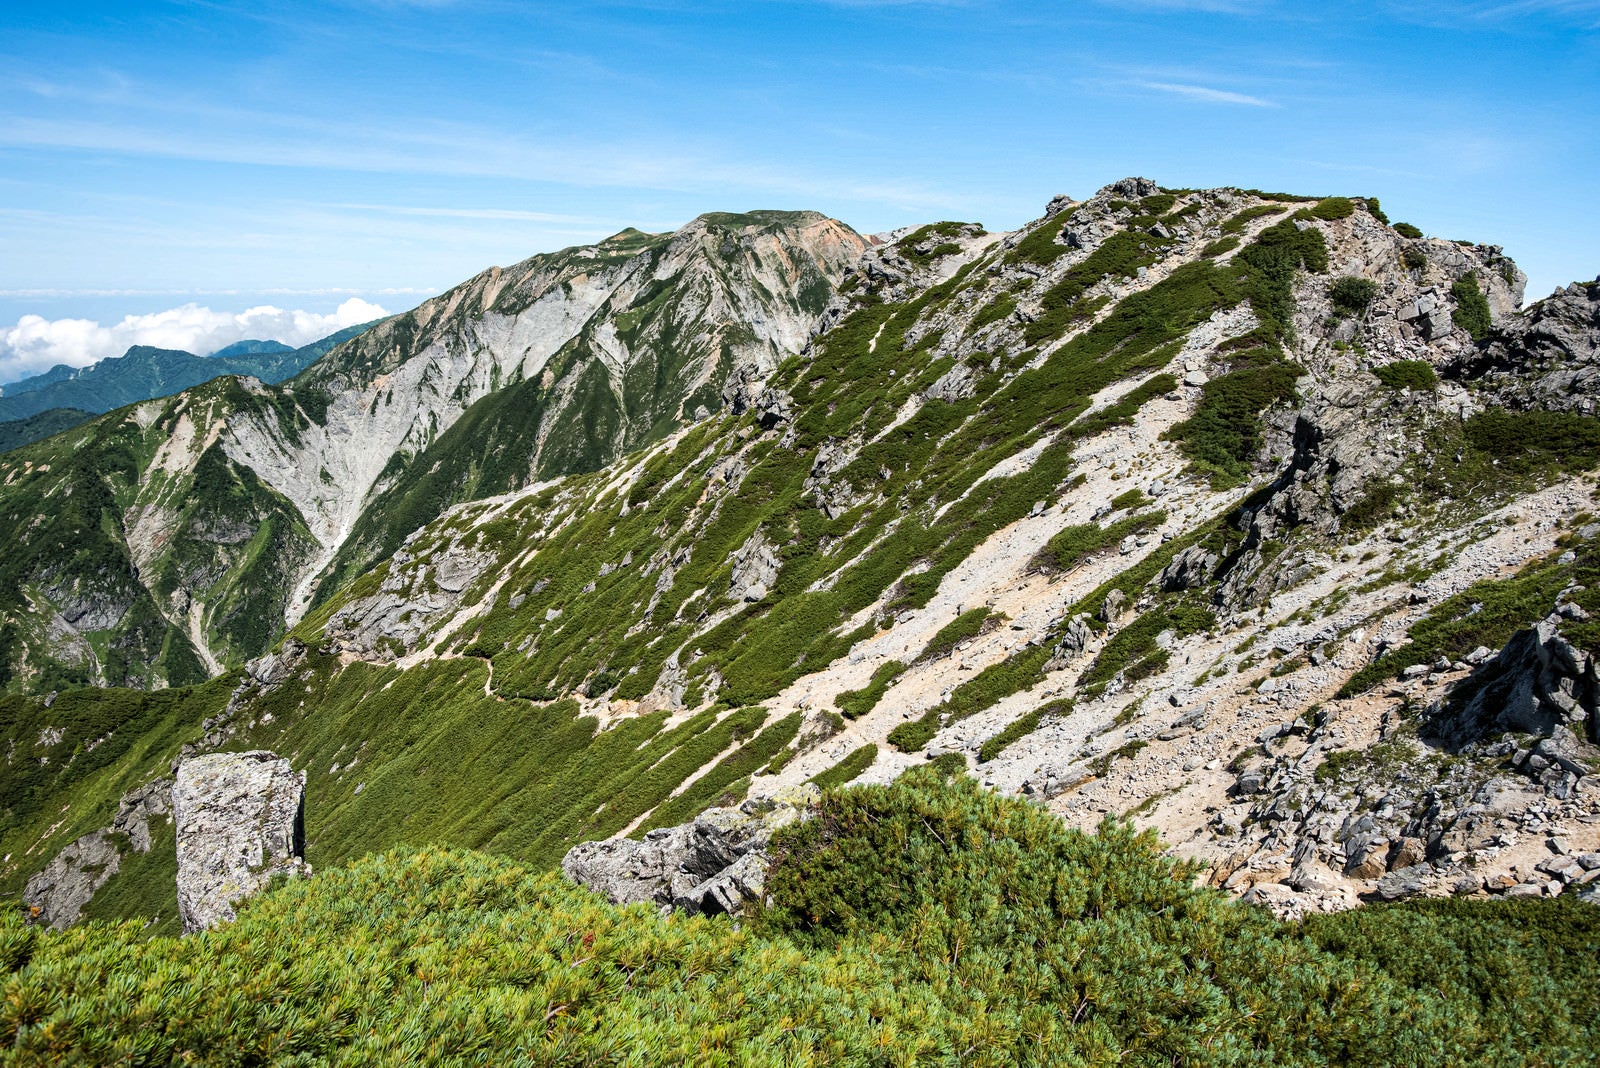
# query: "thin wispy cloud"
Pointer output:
{"type": "Point", "coordinates": [1497, 14]}
{"type": "Point", "coordinates": [1220, 7]}
{"type": "Point", "coordinates": [1207, 95]}
{"type": "Point", "coordinates": [501, 214]}
{"type": "Point", "coordinates": [378, 143]}
{"type": "Point", "coordinates": [459, 150]}
{"type": "Point", "coordinates": [1588, 10]}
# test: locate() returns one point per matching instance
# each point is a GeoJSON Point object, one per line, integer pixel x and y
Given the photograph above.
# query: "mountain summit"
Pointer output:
{"type": "Point", "coordinates": [180, 536]}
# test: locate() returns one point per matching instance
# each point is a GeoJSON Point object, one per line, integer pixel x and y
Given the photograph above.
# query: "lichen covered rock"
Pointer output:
{"type": "Point", "coordinates": [57, 895]}
{"type": "Point", "coordinates": [240, 822]}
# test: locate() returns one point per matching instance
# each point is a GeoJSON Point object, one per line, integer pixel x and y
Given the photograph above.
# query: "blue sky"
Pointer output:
{"type": "Point", "coordinates": [156, 155]}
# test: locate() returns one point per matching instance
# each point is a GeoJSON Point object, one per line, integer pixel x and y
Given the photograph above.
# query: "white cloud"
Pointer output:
{"type": "Point", "coordinates": [36, 344]}
{"type": "Point", "coordinates": [1208, 95]}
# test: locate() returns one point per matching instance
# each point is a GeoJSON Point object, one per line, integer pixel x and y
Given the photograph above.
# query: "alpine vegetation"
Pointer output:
{"type": "Point", "coordinates": [1184, 604]}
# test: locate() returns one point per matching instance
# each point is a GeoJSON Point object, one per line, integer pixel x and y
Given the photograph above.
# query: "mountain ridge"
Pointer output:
{"type": "Point", "coordinates": [222, 506]}
{"type": "Point", "coordinates": [1173, 505]}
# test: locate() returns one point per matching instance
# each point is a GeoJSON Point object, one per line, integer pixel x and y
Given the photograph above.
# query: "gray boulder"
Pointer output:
{"type": "Point", "coordinates": [715, 864]}
{"type": "Point", "coordinates": [1075, 637]}
{"type": "Point", "coordinates": [240, 822]}
{"type": "Point", "coordinates": [1130, 188]}
{"type": "Point", "coordinates": [953, 385]}
{"type": "Point", "coordinates": [1405, 882]}
{"type": "Point", "coordinates": [1115, 606]}
{"type": "Point", "coordinates": [755, 569]}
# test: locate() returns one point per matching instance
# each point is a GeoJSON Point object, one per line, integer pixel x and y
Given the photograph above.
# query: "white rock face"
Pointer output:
{"type": "Point", "coordinates": [717, 863]}
{"type": "Point", "coordinates": [241, 821]}
{"type": "Point", "coordinates": [411, 379]}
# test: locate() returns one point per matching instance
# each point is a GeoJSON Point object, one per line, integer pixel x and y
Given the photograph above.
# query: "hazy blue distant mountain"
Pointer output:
{"type": "Point", "coordinates": [250, 347]}
{"type": "Point", "coordinates": [19, 432]}
{"type": "Point", "coordinates": [59, 373]}
{"type": "Point", "coordinates": [144, 372]}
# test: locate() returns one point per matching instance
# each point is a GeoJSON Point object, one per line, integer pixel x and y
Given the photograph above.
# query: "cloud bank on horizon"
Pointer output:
{"type": "Point", "coordinates": [36, 344]}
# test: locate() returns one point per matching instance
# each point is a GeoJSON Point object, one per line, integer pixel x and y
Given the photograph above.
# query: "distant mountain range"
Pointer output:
{"type": "Point", "coordinates": [63, 397]}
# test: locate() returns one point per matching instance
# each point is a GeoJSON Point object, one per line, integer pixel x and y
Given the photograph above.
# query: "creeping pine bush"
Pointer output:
{"type": "Point", "coordinates": [1332, 208]}
{"type": "Point", "coordinates": [1224, 434]}
{"type": "Point", "coordinates": [1472, 308]}
{"type": "Point", "coordinates": [1351, 295]}
{"type": "Point", "coordinates": [1415, 375]}
{"type": "Point", "coordinates": [926, 922]}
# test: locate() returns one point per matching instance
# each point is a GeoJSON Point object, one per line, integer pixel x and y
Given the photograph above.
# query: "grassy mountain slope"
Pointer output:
{"type": "Point", "coordinates": [1146, 436]}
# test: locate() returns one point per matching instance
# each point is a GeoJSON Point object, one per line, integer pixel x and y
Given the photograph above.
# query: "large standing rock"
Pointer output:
{"type": "Point", "coordinates": [241, 821]}
{"type": "Point", "coordinates": [715, 864]}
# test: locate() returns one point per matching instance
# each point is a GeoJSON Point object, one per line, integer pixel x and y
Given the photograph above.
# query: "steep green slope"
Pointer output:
{"type": "Point", "coordinates": [144, 372]}
{"type": "Point", "coordinates": [76, 756]}
{"type": "Point", "coordinates": [20, 432]}
{"type": "Point", "coordinates": [141, 554]}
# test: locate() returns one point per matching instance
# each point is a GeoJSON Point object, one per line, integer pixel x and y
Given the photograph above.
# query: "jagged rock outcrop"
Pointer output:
{"type": "Point", "coordinates": [715, 864]}
{"type": "Point", "coordinates": [1506, 750]}
{"type": "Point", "coordinates": [410, 604]}
{"type": "Point", "coordinates": [1188, 570]}
{"type": "Point", "coordinates": [240, 822]}
{"type": "Point", "coordinates": [138, 808]}
{"type": "Point", "coordinates": [1549, 357]}
{"type": "Point", "coordinates": [755, 569]}
{"type": "Point", "coordinates": [1539, 684]}
{"type": "Point", "coordinates": [57, 895]}
{"type": "Point", "coordinates": [953, 385]}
